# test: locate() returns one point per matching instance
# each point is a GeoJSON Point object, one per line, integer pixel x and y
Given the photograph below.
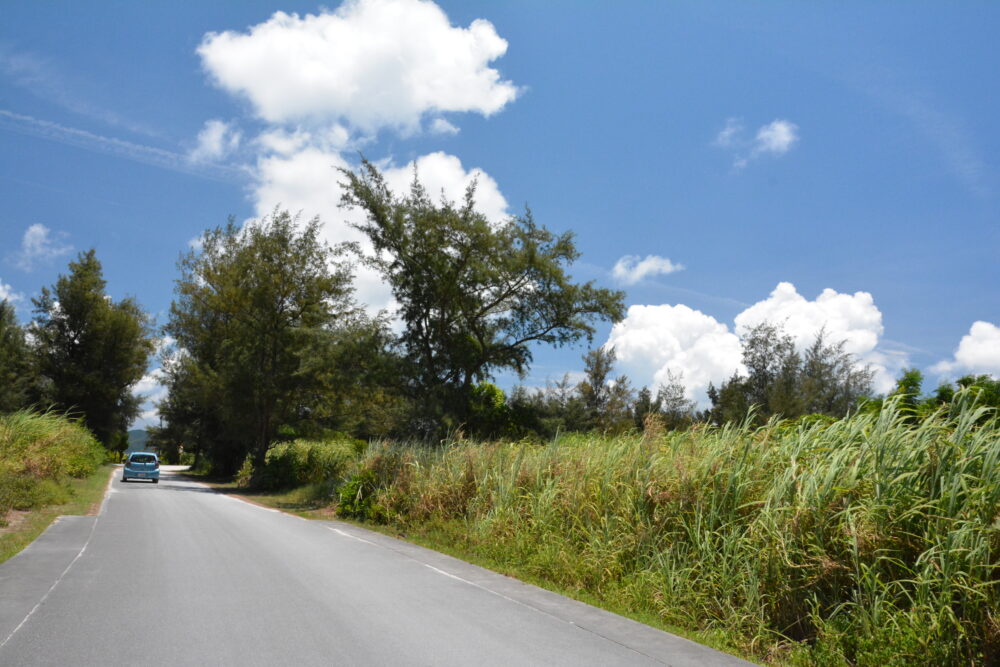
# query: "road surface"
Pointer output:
{"type": "Point", "coordinates": [176, 574]}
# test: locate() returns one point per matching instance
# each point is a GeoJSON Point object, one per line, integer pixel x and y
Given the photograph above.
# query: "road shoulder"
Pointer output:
{"type": "Point", "coordinates": [656, 644]}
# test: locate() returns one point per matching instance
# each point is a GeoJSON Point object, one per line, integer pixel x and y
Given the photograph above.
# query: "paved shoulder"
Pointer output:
{"type": "Point", "coordinates": [644, 640]}
{"type": "Point", "coordinates": [27, 578]}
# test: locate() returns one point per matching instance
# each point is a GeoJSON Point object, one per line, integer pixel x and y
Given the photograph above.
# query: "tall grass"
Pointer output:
{"type": "Point", "coordinates": [37, 452]}
{"type": "Point", "coordinates": [870, 540]}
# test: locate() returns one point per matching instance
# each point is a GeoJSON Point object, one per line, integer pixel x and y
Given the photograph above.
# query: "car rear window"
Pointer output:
{"type": "Point", "coordinates": [143, 458]}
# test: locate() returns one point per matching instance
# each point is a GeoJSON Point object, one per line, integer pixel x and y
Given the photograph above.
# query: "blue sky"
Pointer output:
{"type": "Point", "coordinates": [821, 164]}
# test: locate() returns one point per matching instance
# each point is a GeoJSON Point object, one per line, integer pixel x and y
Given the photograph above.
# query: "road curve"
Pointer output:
{"type": "Point", "coordinates": [176, 574]}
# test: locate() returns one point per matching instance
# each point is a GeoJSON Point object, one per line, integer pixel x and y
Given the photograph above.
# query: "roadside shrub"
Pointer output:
{"type": "Point", "coordinates": [37, 451]}
{"type": "Point", "coordinates": [302, 462]}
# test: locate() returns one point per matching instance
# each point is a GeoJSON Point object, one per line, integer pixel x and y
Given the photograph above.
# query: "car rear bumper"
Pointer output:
{"type": "Point", "coordinates": [141, 474]}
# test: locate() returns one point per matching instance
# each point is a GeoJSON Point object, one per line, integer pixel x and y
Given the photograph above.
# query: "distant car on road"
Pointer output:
{"type": "Point", "coordinates": [142, 465]}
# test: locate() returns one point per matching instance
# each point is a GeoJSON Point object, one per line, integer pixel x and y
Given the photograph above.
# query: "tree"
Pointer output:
{"type": "Point", "coordinates": [474, 296]}
{"type": "Point", "coordinates": [16, 368]}
{"type": "Point", "coordinates": [825, 379]}
{"type": "Point", "coordinates": [645, 405]}
{"type": "Point", "coordinates": [832, 381]}
{"type": "Point", "coordinates": [607, 401]}
{"type": "Point", "coordinates": [251, 303]}
{"type": "Point", "coordinates": [677, 409]}
{"type": "Point", "coordinates": [91, 350]}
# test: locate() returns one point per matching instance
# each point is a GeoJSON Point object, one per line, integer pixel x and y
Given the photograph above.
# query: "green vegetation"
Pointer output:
{"type": "Point", "coordinates": [49, 465]}
{"type": "Point", "coordinates": [867, 540]}
{"type": "Point", "coordinates": [90, 351]}
{"type": "Point", "coordinates": [474, 295]}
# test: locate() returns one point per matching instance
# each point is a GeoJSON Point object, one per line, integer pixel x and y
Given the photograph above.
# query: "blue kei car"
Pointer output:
{"type": "Point", "coordinates": [142, 465]}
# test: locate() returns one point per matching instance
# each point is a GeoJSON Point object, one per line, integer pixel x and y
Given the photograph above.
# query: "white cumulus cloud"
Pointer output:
{"type": "Point", "coordinates": [630, 269]}
{"type": "Point", "coordinates": [776, 137]}
{"type": "Point", "coordinates": [655, 340]}
{"type": "Point", "coordinates": [216, 140]}
{"type": "Point", "coordinates": [978, 352]}
{"type": "Point", "coordinates": [372, 63]}
{"type": "Point", "coordinates": [39, 245]}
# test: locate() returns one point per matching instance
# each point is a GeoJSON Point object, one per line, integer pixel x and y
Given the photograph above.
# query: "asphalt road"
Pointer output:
{"type": "Point", "coordinates": [176, 574]}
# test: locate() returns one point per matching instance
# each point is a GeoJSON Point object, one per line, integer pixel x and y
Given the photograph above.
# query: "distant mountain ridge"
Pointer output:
{"type": "Point", "coordinates": [137, 439]}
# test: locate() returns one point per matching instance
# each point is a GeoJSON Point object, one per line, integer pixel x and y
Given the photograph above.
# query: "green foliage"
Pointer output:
{"type": "Point", "coordinates": [355, 497]}
{"type": "Point", "coordinates": [17, 372]}
{"type": "Point", "coordinates": [37, 453]}
{"type": "Point", "coordinates": [872, 539]}
{"type": "Point", "coordinates": [607, 401]}
{"type": "Point", "coordinates": [474, 295]}
{"type": "Point", "coordinates": [302, 462]}
{"type": "Point", "coordinates": [253, 303]}
{"type": "Point", "coordinates": [489, 414]}
{"type": "Point", "coordinates": [91, 350]}
{"type": "Point", "coordinates": [825, 379]}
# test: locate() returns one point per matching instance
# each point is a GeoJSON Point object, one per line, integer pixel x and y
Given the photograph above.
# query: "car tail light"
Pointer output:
{"type": "Point", "coordinates": [156, 465]}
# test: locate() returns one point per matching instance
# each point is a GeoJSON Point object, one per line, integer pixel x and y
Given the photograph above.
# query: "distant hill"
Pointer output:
{"type": "Point", "coordinates": [137, 439]}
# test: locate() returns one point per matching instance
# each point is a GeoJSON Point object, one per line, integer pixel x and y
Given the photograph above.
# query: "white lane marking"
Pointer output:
{"type": "Point", "coordinates": [93, 527]}
{"type": "Point", "coordinates": [453, 576]}
{"type": "Point", "coordinates": [353, 537]}
{"type": "Point", "coordinates": [450, 575]}
{"type": "Point", "coordinates": [486, 589]}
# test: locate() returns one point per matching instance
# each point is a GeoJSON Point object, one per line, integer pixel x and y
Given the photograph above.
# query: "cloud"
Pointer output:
{"type": "Point", "coordinates": [727, 136]}
{"type": "Point", "coordinates": [978, 352]}
{"type": "Point", "coordinates": [38, 246]}
{"type": "Point", "coordinates": [151, 390]}
{"type": "Point", "coordinates": [150, 155]}
{"type": "Point", "coordinates": [216, 140]}
{"type": "Point", "coordinates": [41, 78]}
{"type": "Point", "coordinates": [7, 293]}
{"type": "Point", "coordinates": [441, 126]}
{"type": "Point", "coordinates": [370, 63]}
{"type": "Point", "coordinates": [775, 139]}
{"type": "Point", "coordinates": [326, 83]}
{"type": "Point", "coordinates": [654, 340]}
{"type": "Point", "coordinates": [630, 269]}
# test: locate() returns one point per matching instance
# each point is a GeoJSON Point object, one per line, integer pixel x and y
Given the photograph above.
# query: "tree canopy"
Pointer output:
{"type": "Point", "coordinates": [16, 367]}
{"type": "Point", "coordinates": [474, 295]}
{"type": "Point", "coordinates": [251, 304]}
{"type": "Point", "coordinates": [91, 350]}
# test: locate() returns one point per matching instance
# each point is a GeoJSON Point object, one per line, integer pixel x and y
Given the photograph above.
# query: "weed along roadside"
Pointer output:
{"type": "Point", "coordinates": [855, 541]}
{"type": "Point", "coordinates": [49, 466]}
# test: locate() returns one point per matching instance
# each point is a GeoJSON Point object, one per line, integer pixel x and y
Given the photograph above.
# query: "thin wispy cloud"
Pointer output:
{"type": "Point", "coordinates": [156, 157]}
{"type": "Point", "coordinates": [44, 80]}
{"type": "Point", "coordinates": [948, 135]}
